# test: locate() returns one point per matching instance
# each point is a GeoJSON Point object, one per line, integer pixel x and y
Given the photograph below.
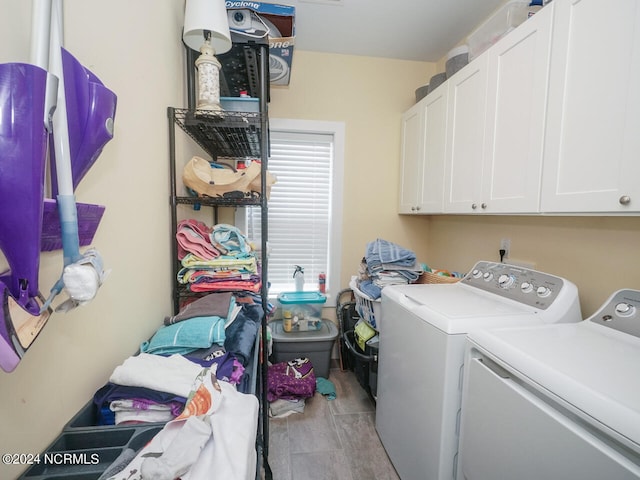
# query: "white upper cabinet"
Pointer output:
{"type": "Point", "coordinates": [412, 143]}
{"type": "Point", "coordinates": [547, 120]}
{"type": "Point", "coordinates": [498, 105]}
{"type": "Point", "coordinates": [435, 135]}
{"type": "Point", "coordinates": [592, 143]}
{"type": "Point", "coordinates": [465, 141]}
{"type": "Point", "coordinates": [518, 75]}
{"type": "Point", "coordinates": [423, 140]}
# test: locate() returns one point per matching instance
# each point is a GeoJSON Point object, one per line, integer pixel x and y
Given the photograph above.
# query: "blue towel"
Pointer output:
{"type": "Point", "coordinates": [383, 252]}
{"type": "Point", "coordinates": [186, 336]}
{"type": "Point", "coordinates": [326, 388]}
{"type": "Point", "coordinates": [370, 289]}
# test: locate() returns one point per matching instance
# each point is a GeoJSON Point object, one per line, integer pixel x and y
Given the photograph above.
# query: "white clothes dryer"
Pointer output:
{"type": "Point", "coordinates": [421, 354]}
{"type": "Point", "coordinates": [556, 401]}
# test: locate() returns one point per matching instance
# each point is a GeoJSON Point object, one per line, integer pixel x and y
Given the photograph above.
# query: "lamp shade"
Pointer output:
{"type": "Point", "coordinates": [206, 15]}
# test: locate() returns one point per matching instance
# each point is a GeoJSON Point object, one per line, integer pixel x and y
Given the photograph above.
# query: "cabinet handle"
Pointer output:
{"type": "Point", "coordinates": [473, 206]}
{"type": "Point", "coordinates": [484, 205]}
{"type": "Point", "coordinates": [418, 208]}
{"type": "Point", "coordinates": [625, 200]}
{"type": "Point", "coordinates": [413, 209]}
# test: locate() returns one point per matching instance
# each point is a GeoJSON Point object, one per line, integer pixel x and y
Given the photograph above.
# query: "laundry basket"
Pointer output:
{"type": "Point", "coordinates": [369, 309]}
{"type": "Point", "coordinates": [430, 277]}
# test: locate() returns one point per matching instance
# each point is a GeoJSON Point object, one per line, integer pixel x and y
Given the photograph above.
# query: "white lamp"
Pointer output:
{"type": "Point", "coordinates": [206, 28]}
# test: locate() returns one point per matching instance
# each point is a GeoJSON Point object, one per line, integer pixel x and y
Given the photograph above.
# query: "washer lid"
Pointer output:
{"type": "Point", "coordinates": [458, 309]}
{"type": "Point", "coordinates": [591, 367]}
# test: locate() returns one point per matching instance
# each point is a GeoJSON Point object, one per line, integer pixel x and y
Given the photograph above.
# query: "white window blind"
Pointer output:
{"type": "Point", "coordinates": [299, 208]}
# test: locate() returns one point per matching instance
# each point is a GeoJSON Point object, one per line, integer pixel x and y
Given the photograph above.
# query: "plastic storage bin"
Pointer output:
{"type": "Point", "coordinates": [508, 17]}
{"type": "Point", "coordinates": [240, 104]}
{"type": "Point", "coordinates": [316, 345]}
{"type": "Point", "coordinates": [457, 58]}
{"type": "Point", "coordinates": [301, 311]}
{"type": "Point", "coordinates": [91, 451]}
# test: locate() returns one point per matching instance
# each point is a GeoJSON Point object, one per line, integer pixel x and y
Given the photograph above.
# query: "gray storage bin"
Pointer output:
{"type": "Point", "coordinates": [437, 80]}
{"type": "Point", "coordinates": [93, 452]}
{"type": "Point", "coordinates": [87, 419]}
{"type": "Point", "coordinates": [316, 345]}
{"type": "Point", "coordinates": [456, 60]}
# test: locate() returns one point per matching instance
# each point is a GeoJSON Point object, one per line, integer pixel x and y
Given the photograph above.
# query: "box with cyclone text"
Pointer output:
{"type": "Point", "coordinates": [258, 19]}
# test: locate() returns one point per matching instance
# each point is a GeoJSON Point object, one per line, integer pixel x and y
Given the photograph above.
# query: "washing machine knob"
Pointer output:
{"type": "Point", "coordinates": [505, 281]}
{"type": "Point", "coordinates": [543, 291]}
{"type": "Point", "coordinates": [625, 309]}
{"type": "Point", "coordinates": [476, 273]}
{"type": "Point", "coordinates": [526, 287]}
{"type": "Point", "coordinates": [488, 276]}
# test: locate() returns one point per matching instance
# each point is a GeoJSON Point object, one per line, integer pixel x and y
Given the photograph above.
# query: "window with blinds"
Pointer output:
{"type": "Point", "coordinates": [303, 220]}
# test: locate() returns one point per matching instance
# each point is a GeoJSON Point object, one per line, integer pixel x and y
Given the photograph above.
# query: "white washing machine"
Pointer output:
{"type": "Point", "coordinates": [558, 401]}
{"type": "Point", "coordinates": [422, 353]}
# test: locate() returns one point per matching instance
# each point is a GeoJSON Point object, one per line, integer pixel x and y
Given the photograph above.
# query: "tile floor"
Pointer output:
{"type": "Point", "coordinates": [332, 439]}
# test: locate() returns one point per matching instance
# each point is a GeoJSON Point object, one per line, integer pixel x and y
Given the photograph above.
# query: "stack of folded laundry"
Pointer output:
{"type": "Point", "coordinates": [214, 431]}
{"type": "Point", "coordinates": [289, 384]}
{"type": "Point", "coordinates": [217, 331]}
{"type": "Point", "coordinates": [386, 263]}
{"type": "Point", "coordinates": [216, 259]}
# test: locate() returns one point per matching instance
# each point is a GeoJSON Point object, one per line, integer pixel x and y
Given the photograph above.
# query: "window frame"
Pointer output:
{"type": "Point", "coordinates": [337, 131]}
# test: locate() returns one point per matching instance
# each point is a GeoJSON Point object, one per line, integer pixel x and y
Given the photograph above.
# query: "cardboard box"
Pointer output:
{"type": "Point", "coordinates": [270, 15]}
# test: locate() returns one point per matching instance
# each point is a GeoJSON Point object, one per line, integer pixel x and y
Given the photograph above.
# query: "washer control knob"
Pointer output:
{"type": "Point", "coordinates": [625, 309]}
{"type": "Point", "coordinates": [543, 291]}
{"type": "Point", "coordinates": [476, 273]}
{"type": "Point", "coordinates": [505, 281]}
{"type": "Point", "coordinates": [488, 276]}
{"type": "Point", "coordinates": [526, 287]}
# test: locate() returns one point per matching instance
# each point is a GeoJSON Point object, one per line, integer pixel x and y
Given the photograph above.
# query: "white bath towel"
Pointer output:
{"type": "Point", "coordinates": [174, 374]}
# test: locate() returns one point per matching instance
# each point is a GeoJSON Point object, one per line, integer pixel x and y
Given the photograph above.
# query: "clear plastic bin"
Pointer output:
{"type": "Point", "coordinates": [508, 17]}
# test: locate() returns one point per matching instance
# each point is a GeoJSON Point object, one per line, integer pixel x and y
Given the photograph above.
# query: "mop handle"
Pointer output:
{"type": "Point", "coordinates": [66, 200]}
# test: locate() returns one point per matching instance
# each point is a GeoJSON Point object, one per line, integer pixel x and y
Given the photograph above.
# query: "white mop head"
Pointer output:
{"type": "Point", "coordinates": [82, 279]}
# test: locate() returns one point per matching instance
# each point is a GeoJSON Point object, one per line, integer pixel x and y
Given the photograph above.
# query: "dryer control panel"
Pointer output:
{"type": "Point", "coordinates": [533, 288]}
{"type": "Point", "coordinates": [620, 312]}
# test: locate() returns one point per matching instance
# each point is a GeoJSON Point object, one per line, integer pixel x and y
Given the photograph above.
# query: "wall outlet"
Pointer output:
{"type": "Point", "coordinates": [505, 244]}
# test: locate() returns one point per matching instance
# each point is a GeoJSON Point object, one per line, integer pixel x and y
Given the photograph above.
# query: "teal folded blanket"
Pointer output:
{"type": "Point", "coordinates": [186, 336]}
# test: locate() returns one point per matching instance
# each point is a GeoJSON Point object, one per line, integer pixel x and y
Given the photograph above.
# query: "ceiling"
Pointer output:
{"type": "Point", "coordinates": [421, 30]}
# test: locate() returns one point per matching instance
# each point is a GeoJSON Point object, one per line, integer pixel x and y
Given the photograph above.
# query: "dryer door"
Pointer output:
{"type": "Point", "coordinates": [509, 429]}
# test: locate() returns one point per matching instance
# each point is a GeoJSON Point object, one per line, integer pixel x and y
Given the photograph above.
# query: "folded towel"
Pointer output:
{"type": "Point", "coordinates": [384, 252]}
{"type": "Point", "coordinates": [218, 304]}
{"type": "Point", "coordinates": [186, 336]}
{"type": "Point", "coordinates": [192, 236]}
{"type": "Point", "coordinates": [174, 374]}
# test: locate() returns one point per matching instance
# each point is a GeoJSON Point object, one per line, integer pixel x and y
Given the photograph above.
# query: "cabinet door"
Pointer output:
{"type": "Point", "coordinates": [592, 146]}
{"type": "Point", "coordinates": [465, 142]}
{"type": "Point", "coordinates": [431, 189]}
{"type": "Point", "coordinates": [411, 157]}
{"type": "Point", "coordinates": [518, 72]}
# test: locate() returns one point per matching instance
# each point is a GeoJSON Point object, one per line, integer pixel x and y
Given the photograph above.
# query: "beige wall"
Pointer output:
{"type": "Point", "coordinates": [598, 254]}
{"type": "Point", "coordinates": [369, 95]}
{"type": "Point", "coordinates": [134, 48]}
